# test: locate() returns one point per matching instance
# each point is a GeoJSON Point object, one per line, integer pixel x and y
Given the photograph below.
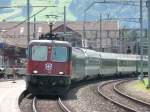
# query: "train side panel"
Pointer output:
{"type": "Point", "coordinates": [127, 64]}
{"type": "Point", "coordinates": [78, 64]}
{"type": "Point", "coordinates": [85, 63]}
{"type": "Point", "coordinates": [108, 64]}
{"type": "Point", "coordinates": [92, 63]}
{"type": "Point", "coordinates": [145, 64]}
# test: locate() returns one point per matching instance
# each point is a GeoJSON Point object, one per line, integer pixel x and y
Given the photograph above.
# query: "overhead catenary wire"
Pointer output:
{"type": "Point", "coordinates": [132, 3]}
{"type": "Point", "coordinates": [124, 2]}
{"type": "Point", "coordinates": [120, 2]}
{"type": "Point", "coordinates": [10, 28]}
{"type": "Point", "coordinates": [20, 6]}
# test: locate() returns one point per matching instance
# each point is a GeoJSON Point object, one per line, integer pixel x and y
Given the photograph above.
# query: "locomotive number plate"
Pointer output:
{"type": "Point", "coordinates": [48, 66]}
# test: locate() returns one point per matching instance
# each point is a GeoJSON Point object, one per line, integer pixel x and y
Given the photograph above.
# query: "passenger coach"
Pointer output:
{"type": "Point", "coordinates": [52, 65]}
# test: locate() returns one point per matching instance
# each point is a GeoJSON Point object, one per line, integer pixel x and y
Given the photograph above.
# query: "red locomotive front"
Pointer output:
{"type": "Point", "coordinates": [49, 67]}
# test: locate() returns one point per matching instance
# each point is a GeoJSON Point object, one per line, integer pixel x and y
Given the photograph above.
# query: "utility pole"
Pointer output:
{"type": "Point", "coordinates": [65, 22]}
{"type": "Point", "coordinates": [141, 38]}
{"type": "Point", "coordinates": [137, 52]}
{"type": "Point", "coordinates": [28, 21]}
{"type": "Point", "coordinates": [148, 6]}
{"type": "Point", "coordinates": [34, 34]}
{"type": "Point", "coordinates": [84, 32]}
{"type": "Point", "coordinates": [100, 30]}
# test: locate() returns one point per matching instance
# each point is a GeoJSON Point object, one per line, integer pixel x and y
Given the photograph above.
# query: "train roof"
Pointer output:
{"type": "Point", "coordinates": [78, 52]}
{"type": "Point", "coordinates": [86, 52]}
{"type": "Point", "coordinates": [127, 57]}
{"type": "Point", "coordinates": [108, 55]}
{"type": "Point", "coordinates": [119, 56]}
{"type": "Point", "coordinates": [91, 53]}
{"type": "Point", "coordinates": [103, 55]}
{"type": "Point", "coordinates": [49, 42]}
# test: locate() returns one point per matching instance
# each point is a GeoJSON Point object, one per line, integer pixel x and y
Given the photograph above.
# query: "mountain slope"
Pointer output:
{"type": "Point", "coordinates": [75, 11]}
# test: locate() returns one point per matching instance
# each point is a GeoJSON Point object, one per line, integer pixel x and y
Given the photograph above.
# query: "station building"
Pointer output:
{"type": "Point", "coordinates": [105, 36]}
{"type": "Point", "coordinates": [14, 33]}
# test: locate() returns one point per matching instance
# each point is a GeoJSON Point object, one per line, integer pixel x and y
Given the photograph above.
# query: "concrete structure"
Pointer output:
{"type": "Point", "coordinates": [9, 95]}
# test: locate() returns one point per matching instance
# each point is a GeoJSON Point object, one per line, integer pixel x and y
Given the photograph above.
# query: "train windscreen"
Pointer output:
{"type": "Point", "coordinates": [39, 53]}
{"type": "Point", "coordinates": [59, 54]}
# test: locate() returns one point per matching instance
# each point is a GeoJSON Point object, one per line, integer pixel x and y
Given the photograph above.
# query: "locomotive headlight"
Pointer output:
{"type": "Point", "coordinates": [61, 73]}
{"type": "Point", "coordinates": [35, 71]}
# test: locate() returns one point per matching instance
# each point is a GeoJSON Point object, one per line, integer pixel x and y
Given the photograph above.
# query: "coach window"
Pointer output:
{"type": "Point", "coordinates": [39, 53]}
{"type": "Point", "coordinates": [59, 54]}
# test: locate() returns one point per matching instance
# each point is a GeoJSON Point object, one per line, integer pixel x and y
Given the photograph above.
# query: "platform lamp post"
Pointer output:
{"type": "Point", "coordinates": [148, 6]}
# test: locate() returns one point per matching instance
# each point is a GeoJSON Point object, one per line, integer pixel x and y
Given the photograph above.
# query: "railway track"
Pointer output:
{"type": "Point", "coordinates": [119, 91]}
{"type": "Point", "coordinates": [36, 104]}
{"type": "Point", "coordinates": [109, 91]}
{"type": "Point", "coordinates": [34, 109]}
{"type": "Point", "coordinates": [55, 105]}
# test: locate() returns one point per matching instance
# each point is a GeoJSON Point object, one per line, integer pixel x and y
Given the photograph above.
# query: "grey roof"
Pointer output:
{"type": "Point", "coordinates": [15, 34]}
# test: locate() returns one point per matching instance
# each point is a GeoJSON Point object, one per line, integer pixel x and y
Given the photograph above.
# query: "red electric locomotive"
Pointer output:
{"type": "Point", "coordinates": [48, 67]}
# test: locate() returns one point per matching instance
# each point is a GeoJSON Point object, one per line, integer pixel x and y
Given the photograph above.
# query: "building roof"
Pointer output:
{"type": "Point", "coordinates": [14, 33]}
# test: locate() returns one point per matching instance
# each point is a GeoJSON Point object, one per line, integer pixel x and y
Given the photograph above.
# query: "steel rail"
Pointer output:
{"type": "Point", "coordinates": [34, 104]}
{"type": "Point", "coordinates": [115, 102]}
{"type": "Point", "coordinates": [128, 96]}
{"type": "Point", "coordinates": [62, 106]}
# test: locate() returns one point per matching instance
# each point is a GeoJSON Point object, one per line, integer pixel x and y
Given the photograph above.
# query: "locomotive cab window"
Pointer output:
{"type": "Point", "coordinates": [59, 54]}
{"type": "Point", "coordinates": [39, 53]}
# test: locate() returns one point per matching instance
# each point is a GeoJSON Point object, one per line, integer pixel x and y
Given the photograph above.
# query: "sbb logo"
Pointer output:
{"type": "Point", "coordinates": [48, 66]}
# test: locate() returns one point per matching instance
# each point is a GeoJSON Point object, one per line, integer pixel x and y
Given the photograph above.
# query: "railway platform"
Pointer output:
{"type": "Point", "coordinates": [137, 89]}
{"type": "Point", "coordinates": [9, 95]}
